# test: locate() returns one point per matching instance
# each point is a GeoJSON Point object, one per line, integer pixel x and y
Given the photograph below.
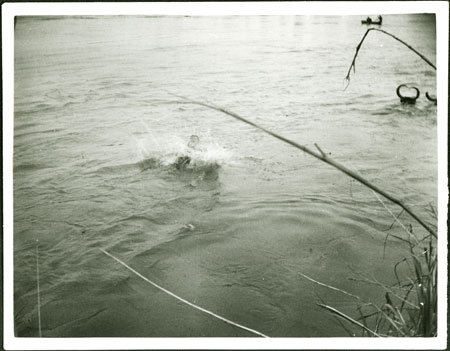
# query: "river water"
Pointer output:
{"type": "Point", "coordinates": [97, 135]}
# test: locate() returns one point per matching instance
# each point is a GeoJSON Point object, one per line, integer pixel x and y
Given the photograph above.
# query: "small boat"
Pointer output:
{"type": "Point", "coordinates": [369, 20]}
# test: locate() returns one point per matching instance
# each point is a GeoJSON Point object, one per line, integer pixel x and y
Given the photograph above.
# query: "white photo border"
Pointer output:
{"type": "Point", "coordinates": [9, 10]}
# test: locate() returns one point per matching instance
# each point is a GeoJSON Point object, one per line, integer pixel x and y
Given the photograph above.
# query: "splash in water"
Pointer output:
{"type": "Point", "coordinates": [197, 153]}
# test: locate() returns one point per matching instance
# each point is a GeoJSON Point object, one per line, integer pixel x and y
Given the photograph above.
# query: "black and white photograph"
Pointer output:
{"type": "Point", "coordinates": [225, 175]}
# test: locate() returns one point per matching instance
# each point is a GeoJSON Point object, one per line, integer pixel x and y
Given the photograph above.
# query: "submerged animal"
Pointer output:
{"type": "Point", "coordinates": [407, 99]}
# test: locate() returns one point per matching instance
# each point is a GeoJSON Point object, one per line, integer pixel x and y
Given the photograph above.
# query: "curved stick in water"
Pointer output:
{"type": "Point", "coordinates": [353, 64]}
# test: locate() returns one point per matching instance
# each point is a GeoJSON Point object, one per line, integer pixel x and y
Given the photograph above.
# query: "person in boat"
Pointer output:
{"type": "Point", "coordinates": [380, 19]}
{"type": "Point", "coordinates": [183, 161]}
{"type": "Point", "coordinates": [369, 20]}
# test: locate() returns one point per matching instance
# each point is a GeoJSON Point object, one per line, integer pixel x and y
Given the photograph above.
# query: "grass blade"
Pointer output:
{"type": "Point", "coordinates": [347, 318]}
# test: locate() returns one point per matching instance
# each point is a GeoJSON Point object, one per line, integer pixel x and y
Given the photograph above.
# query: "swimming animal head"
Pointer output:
{"type": "Point", "coordinates": [407, 99]}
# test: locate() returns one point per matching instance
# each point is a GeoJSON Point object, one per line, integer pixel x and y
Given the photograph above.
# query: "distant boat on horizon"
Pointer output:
{"type": "Point", "coordinates": [369, 20]}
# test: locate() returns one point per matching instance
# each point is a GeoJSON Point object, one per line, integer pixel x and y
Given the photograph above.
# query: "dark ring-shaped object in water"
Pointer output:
{"type": "Point", "coordinates": [430, 98]}
{"type": "Point", "coordinates": [406, 99]}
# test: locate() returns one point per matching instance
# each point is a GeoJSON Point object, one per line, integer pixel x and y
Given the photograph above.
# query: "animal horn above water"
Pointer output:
{"type": "Point", "coordinates": [407, 99]}
{"type": "Point", "coordinates": [430, 98]}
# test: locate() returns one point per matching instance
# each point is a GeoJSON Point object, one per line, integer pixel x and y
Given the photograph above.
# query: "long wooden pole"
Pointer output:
{"type": "Point", "coordinates": [319, 155]}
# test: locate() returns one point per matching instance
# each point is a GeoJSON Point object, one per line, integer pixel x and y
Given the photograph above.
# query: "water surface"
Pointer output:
{"type": "Point", "coordinates": [97, 135]}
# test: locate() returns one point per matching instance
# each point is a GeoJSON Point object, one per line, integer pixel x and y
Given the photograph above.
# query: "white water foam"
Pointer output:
{"type": "Point", "coordinates": [166, 150]}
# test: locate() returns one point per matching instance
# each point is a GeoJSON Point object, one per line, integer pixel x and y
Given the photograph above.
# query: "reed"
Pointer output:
{"type": "Point", "coordinates": [410, 307]}
{"type": "Point", "coordinates": [353, 64]}
{"type": "Point", "coordinates": [38, 289]}
{"type": "Point", "coordinates": [204, 310]}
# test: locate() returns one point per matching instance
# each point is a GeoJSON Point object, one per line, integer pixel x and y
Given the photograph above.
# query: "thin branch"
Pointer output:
{"type": "Point", "coordinates": [38, 289]}
{"type": "Point", "coordinates": [328, 286]}
{"type": "Point", "coordinates": [344, 327]}
{"type": "Point", "coordinates": [321, 156]}
{"type": "Point", "coordinates": [433, 210]}
{"type": "Point", "coordinates": [353, 64]}
{"type": "Point", "coordinates": [395, 219]}
{"type": "Point", "coordinates": [347, 77]}
{"type": "Point", "coordinates": [320, 150]}
{"type": "Point", "coordinates": [385, 287]}
{"type": "Point", "coordinates": [390, 320]}
{"type": "Point", "coordinates": [411, 234]}
{"type": "Point", "coordinates": [347, 318]}
{"type": "Point", "coordinates": [181, 299]}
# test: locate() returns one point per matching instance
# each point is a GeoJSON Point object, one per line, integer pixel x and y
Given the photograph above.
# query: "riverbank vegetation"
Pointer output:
{"type": "Point", "coordinates": [410, 306]}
